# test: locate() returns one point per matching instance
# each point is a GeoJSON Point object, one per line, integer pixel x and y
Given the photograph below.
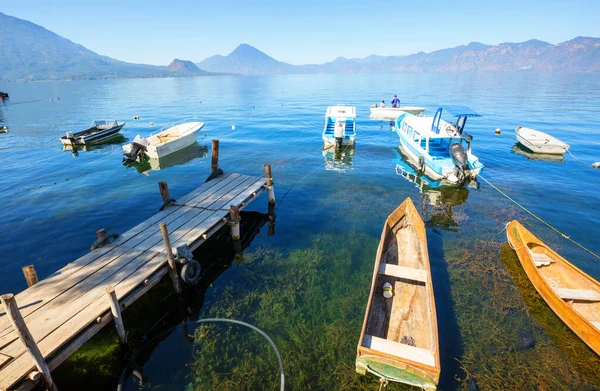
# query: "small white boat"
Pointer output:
{"type": "Point", "coordinates": [540, 142]}
{"type": "Point", "coordinates": [394, 112]}
{"type": "Point", "coordinates": [164, 142]}
{"type": "Point", "coordinates": [340, 125]}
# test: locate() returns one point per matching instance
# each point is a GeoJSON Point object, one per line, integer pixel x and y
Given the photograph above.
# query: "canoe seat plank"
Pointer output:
{"type": "Point", "coordinates": [596, 324]}
{"type": "Point", "coordinates": [399, 350]}
{"type": "Point", "coordinates": [541, 259]}
{"type": "Point", "coordinates": [404, 272]}
{"type": "Point", "coordinates": [578, 294]}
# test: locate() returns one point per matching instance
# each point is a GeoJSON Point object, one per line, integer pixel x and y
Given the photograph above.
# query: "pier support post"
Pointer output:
{"type": "Point", "coordinates": [269, 178]}
{"type": "Point", "coordinates": [115, 308]}
{"type": "Point", "coordinates": [171, 259]}
{"type": "Point", "coordinates": [17, 321]}
{"type": "Point", "coordinates": [214, 166]}
{"type": "Point", "coordinates": [271, 215]}
{"type": "Point", "coordinates": [30, 275]}
{"type": "Point", "coordinates": [234, 215]}
{"type": "Point", "coordinates": [164, 191]}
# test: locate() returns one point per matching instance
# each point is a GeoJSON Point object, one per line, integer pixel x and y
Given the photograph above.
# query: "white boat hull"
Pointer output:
{"type": "Point", "coordinates": [540, 142]}
{"type": "Point", "coordinates": [394, 112]}
{"type": "Point", "coordinates": [171, 140]}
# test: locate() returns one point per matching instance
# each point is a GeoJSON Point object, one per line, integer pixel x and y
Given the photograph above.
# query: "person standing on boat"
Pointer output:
{"type": "Point", "coordinates": [395, 101]}
{"type": "Point", "coordinates": [382, 104]}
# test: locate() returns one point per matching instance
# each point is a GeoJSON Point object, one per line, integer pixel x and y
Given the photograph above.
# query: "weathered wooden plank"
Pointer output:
{"type": "Point", "coordinates": [225, 199]}
{"type": "Point", "coordinates": [207, 201]}
{"type": "Point", "coordinates": [79, 315]}
{"type": "Point", "coordinates": [213, 186]}
{"type": "Point", "coordinates": [105, 319]}
{"type": "Point", "coordinates": [399, 350]}
{"type": "Point", "coordinates": [250, 192]}
{"type": "Point", "coordinates": [66, 306]}
{"type": "Point", "coordinates": [578, 294]}
{"type": "Point", "coordinates": [21, 366]}
{"type": "Point", "coordinates": [407, 273]}
{"type": "Point", "coordinates": [29, 302]}
{"type": "Point", "coordinates": [4, 358]}
{"type": "Point", "coordinates": [203, 188]}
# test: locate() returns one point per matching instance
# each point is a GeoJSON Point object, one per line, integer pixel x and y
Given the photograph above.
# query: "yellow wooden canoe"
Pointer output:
{"type": "Point", "coordinates": [573, 295]}
{"type": "Point", "coordinates": [399, 337]}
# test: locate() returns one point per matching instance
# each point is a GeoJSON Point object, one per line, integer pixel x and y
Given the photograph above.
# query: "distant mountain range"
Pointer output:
{"type": "Point", "coordinates": [30, 52]}
{"type": "Point", "coordinates": [581, 54]}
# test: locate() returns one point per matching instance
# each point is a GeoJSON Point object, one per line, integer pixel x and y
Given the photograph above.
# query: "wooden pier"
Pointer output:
{"type": "Point", "coordinates": [59, 314]}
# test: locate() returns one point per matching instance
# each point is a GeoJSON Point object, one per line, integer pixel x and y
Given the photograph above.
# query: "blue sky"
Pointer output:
{"type": "Point", "coordinates": [302, 31]}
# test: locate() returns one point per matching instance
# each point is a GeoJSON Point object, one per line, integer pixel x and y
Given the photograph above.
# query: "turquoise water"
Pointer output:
{"type": "Point", "coordinates": [54, 201]}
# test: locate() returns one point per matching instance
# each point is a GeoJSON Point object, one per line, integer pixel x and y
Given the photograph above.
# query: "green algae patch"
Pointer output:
{"type": "Point", "coordinates": [505, 347]}
{"type": "Point", "coordinates": [310, 301]}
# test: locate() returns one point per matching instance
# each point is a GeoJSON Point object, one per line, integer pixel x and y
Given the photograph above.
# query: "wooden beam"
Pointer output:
{"type": "Point", "coordinates": [163, 187]}
{"type": "Point", "coordinates": [214, 166]}
{"type": "Point", "coordinates": [115, 308]}
{"type": "Point", "coordinates": [171, 259]}
{"type": "Point", "coordinates": [30, 275]}
{"type": "Point", "coordinates": [578, 294]}
{"type": "Point", "coordinates": [269, 183]}
{"type": "Point", "coordinates": [407, 273]}
{"type": "Point", "coordinates": [12, 311]}
{"type": "Point", "coordinates": [400, 350]}
{"type": "Point", "coordinates": [234, 215]}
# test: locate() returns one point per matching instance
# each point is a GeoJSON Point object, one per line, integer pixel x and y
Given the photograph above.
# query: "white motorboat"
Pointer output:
{"type": "Point", "coordinates": [164, 142]}
{"type": "Point", "coordinates": [394, 112]}
{"type": "Point", "coordinates": [540, 142]}
{"type": "Point", "coordinates": [340, 125]}
{"type": "Point", "coordinates": [440, 149]}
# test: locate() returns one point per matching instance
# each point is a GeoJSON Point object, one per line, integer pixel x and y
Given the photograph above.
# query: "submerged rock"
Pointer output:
{"type": "Point", "coordinates": [527, 340]}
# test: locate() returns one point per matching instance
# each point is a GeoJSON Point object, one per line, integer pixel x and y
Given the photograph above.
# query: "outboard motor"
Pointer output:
{"type": "Point", "coordinates": [138, 146]}
{"type": "Point", "coordinates": [70, 137]}
{"type": "Point", "coordinates": [460, 157]}
{"type": "Point", "coordinates": [338, 132]}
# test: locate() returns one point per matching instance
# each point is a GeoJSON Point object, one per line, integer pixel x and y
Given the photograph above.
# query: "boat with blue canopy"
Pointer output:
{"type": "Point", "coordinates": [440, 149]}
{"type": "Point", "coordinates": [340, 125]}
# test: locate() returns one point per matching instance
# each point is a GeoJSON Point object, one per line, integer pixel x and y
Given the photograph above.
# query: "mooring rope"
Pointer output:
{"type": "Point", "coordinates": [581, 161]}
{"type": "Point", "coordinates": [217, 320]}
{"type": "Point", "coordinates": [539, 218]}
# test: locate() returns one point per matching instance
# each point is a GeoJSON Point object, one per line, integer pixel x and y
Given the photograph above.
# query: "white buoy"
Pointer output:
{"type": "Point", "coordinates": [387, 290]}
{"type": "Point", "coordinates": [232, 127]}
{"type": "Point", "coordinates": [596, 165]}
{"type": "Point", "coordinates": [497, 130]}
{"type": "Point", "coordinates": [151, 123]}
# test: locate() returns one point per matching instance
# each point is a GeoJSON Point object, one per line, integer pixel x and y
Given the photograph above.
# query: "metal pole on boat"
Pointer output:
{"type": "Point", "coordinates": [17, 321]}
{"type": "Point", "coordinates": [171, 259]}
{"type": "Point", "coordinates": [269, 184]}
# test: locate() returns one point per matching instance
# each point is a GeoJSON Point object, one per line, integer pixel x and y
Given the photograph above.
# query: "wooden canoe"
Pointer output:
{"type": "Point", "coordinates": [399, 337]}
{"type": "Point", "coordinates": [573, 295]}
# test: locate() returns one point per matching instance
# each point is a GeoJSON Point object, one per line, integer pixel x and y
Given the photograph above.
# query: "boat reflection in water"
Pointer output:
{"type": "Point", "coordinates": [114, 142]}
{"type": "Point", "coordinates": [339, 158]}
{"type": "Point", "coordinates": [520, 149]}
{"type": "Point", "coordinates": [438, 198]}
{"type": "Point", "coordinates": [183, 156]}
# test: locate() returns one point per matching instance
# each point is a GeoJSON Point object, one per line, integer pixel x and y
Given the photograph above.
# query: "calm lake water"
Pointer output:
{"type": "Point", "coordinates": [329, 222]}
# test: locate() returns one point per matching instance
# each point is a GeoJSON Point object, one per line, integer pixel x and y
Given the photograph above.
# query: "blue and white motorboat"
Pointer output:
{"type": "Point", "coordinates": [340, 126]}
{"type": "Point", "coordinates": [440, 149]}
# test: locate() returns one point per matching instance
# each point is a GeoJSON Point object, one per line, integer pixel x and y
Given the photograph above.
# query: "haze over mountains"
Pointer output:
{"type": "Point", "coordinates": [30, 52]}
